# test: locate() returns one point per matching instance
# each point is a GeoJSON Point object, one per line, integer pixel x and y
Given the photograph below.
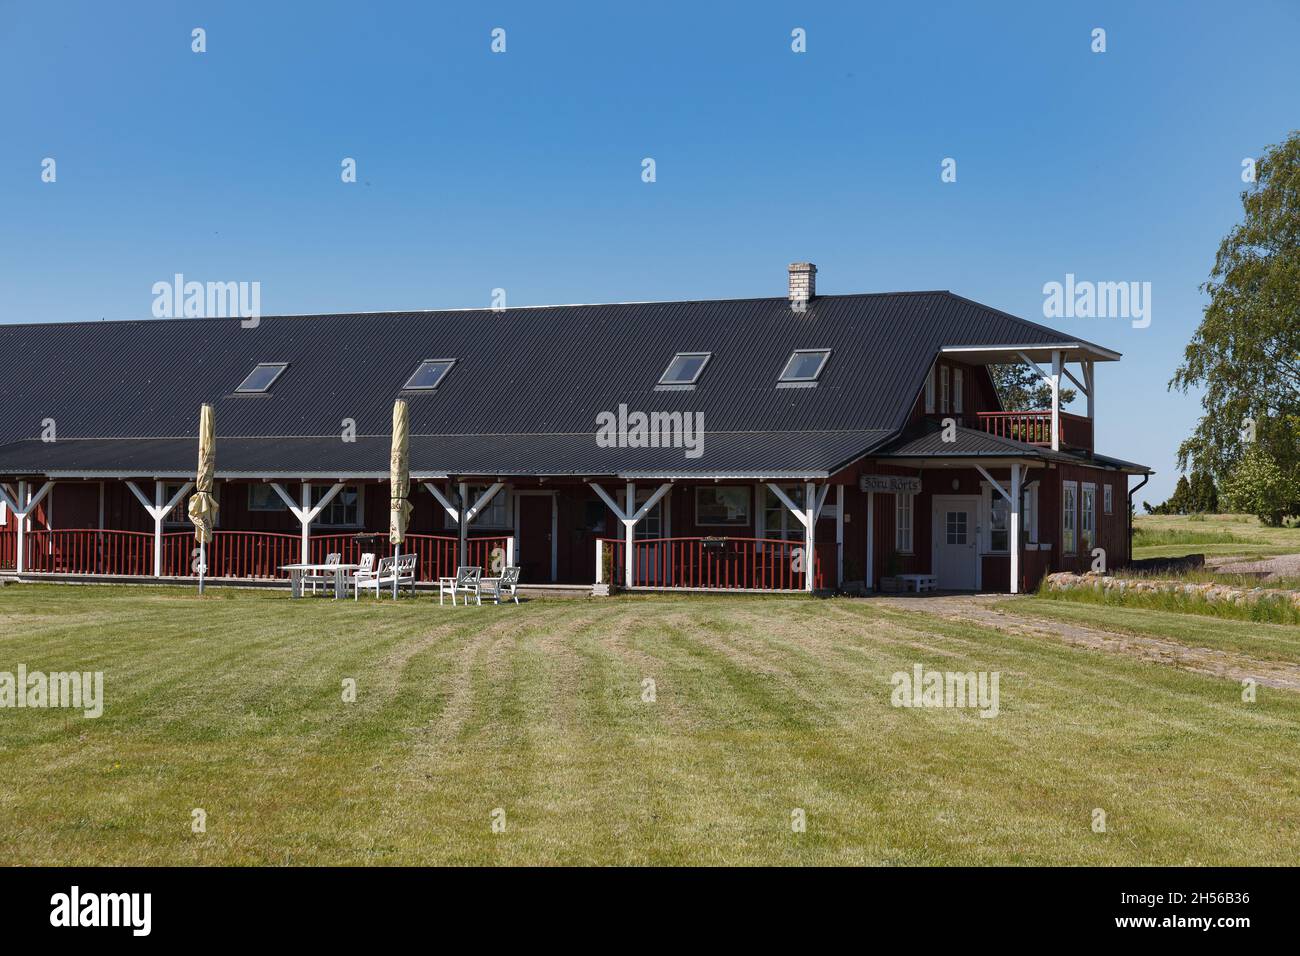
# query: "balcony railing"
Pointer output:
{"type": "Point", "coordinates": [1035, 428]}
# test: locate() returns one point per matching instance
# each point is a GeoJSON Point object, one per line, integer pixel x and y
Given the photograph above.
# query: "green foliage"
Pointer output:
{"type": "Point", "coordinates": [1258, 485]}
{"type": "Point", "coordinates": [1021, 389]}
{"type": "Point", "coordinates": [1246, 352]}
{"type": "Point", "coordinates": [1197, 496]}
{"type": "Point", "coordinates": [1271, 609]}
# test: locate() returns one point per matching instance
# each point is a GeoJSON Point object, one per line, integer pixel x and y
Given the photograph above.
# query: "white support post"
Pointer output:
{"type": "Point", "coordinates": [463, 524]}
{"type": "Point", "coordinates": [871, 540]}
{"type": "Point", "coordinates": [629, 533]}
{"type": "Point", "coordinates": [158, 510]}
{"type": "Point", "coordinates": [839, 536]}
{"type": "Point", "coordinates": [306, 523]}
{"type": "Point", "coordinates": [600, 560]}
{"type": "Point", "coordinates": [306, 513]}
{"type": "Point", "coordinates": [810, 535]}
{"type": "Point", "coordinates": [1056, 399]}
{"type": "Point", "coordinates": [1014, 543]}
{"type": "Point", "coordinates": [510, 552]}
{"type": "Point", "coordinates": [157, 527]}
{"type": "Point", "coordinates": [1088, 377]}
{"type": "Point", "coordinates": [20, 513]}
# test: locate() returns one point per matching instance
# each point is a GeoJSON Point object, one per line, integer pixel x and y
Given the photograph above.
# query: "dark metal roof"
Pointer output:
{"type": "Point", "coordinates": [726, 454]}
{"type": "Point", "coordinates": [973, 443]}
{"type": "Point", "coordinates": [536, 372]}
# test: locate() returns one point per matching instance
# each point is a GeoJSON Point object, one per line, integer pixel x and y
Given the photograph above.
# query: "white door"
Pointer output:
{"type": "Point", "coordinates": [955, 537]}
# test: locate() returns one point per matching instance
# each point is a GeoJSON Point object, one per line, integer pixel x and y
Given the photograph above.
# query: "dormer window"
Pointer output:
{"type": "Point", "coordinates": [803, 367]}
{"type": "Point", "coordinates": [430, 374]}
{"type": "Point", "coordinates": [261, 378]}
{"type": "Point", "coordinates": [685, 369]}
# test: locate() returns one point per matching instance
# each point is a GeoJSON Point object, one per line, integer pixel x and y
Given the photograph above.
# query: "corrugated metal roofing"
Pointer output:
{"type": "Point", "coordinates": [973, 443]}
{"type": "Point", "coordinates": [729, 454]}
{"type": "Point", "coordinates": [543, 371]}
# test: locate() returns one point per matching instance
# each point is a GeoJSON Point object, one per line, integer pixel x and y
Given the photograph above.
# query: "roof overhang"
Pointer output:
{"type": "Point", "coordinates": [1012, 354]}
{"type": "Point", "coordinates": [964, 461]}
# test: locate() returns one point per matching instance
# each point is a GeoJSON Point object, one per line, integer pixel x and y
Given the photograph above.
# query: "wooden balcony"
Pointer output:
{"type": "Point", "coordinates": [1035, 428]}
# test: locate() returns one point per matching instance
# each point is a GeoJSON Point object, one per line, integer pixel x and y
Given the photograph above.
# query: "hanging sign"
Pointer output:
{"type": "Point", "coordinates": [889, 484]}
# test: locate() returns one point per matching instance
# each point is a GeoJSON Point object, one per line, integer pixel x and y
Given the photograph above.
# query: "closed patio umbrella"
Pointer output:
{"type": "Point", "coordinates": [399, 478]}
{"type": "Point", "coordinates": [203, 506]}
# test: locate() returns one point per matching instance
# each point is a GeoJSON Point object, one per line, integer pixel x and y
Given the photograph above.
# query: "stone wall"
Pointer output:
{"type": "Point", "coordinates": [1208, 591]}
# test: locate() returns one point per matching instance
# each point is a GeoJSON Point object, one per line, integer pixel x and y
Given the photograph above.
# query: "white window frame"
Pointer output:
{"type": "Point", "coordinates": [1029, 512]}
{"type": "Point", "coordinates": [1070, 542]}
{"type": "Point", "coordinates": [408, 387]}
{"type": "Point", "coordinates": [945, 390]}
{"type": "Point", "coordinates": [749, 507]}
{"type": "Point", "coordinates": [279, 366]}
{"type": "Point", "coordinates": [182, 508]}
{"type": "Point", "coordinates": [276, 502]}
{"type": "Point", "coordinates": [1108, 499]}
{"type": "Point", "coordinates": [929, 391]}
{"type": "Point", "coordinates": [790, 529]}
{"type": "Point", "coordinates": [990, 498]}
{"type": "Point", "coordinates": [663, 379]}
{"type": "Point", "coordinates": [787, 379]}
{"type": "Point", "coordinates": [500, 504]}
{"type": "Point", "coordinates": [319, 491]}
{"type": "Point", "coordinates": [905, 531]}
{"type": "Point", "coordinates": [1088, 492]}
{"type": "Point", "coordinates": [957, 376]}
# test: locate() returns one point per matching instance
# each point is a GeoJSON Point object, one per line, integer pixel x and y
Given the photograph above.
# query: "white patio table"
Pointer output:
{"type": "Point", "coordinates": [298, 571]}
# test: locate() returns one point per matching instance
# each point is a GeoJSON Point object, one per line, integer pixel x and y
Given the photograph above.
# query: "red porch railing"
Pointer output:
{"type": "Point", "coordinates": [8, 549]}
{"type": "Point", "coordinates": [756, 564]}
{"type": "Point", "coordinates": [1035, 428]}
{"type": "Point", "coordinates": [250, 555]}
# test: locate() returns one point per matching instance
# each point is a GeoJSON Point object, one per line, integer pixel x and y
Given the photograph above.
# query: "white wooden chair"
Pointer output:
{"type": "Point", "coordinates": [364, 572]}
{"type": "Point", "coordinates": [466, 579]}
{"type": "Point", "coordinates": [333, 559]}
{"type": "Point", "coordinates": [507, 585]}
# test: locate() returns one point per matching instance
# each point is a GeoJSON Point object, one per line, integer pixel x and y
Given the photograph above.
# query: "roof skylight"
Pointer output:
{"type": "Point", "coordinates": [685, 368]}
{"type": "Point", "coordinates": [430, 374]}
{"type": "Point", "coordinates": [804, 366]}
{"type": "Point", "coordinates": [262, 377]}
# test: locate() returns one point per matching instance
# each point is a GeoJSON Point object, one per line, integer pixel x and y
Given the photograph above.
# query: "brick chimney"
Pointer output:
{"type": "Point", "coordinates": [803, 284]}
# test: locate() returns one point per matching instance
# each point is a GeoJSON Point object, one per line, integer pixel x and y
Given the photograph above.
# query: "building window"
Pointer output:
{"type": "Point", "coordinates": [1029, 514]}
{"type": "Point", "coordinates": [651, 527]}
{"type": "Point", "coordinates": [495, 514]}
{"type": "Point", "coordinates": [178, 517]}
{"type": "Point", "coordinates": [262, 497]}
{"type": "Point", "coordinates": [344, 509]}
{"type": "Point", "coordinates": [1108, 501]}
{"type": "Point", "coordinates": [1069, 516]}
{"type": "Point", "coordinates": [430, 374]}
{"type": "Point", "coordinates": [903, 523]}
{"type": "Point", "coordinates": [722, 505]}
{"type": "Point", "coordinates": [944, 389]}
{"type": "Point", "coordinates": [957, 401]}
{"type": "Point", "coordinates": [999, 524]}
{"type": "Point", "coordinates": [955, 527]}
{"type": "Point", "coordinates": [804, 366]}
{"type": "Point", "coordinates": [778, 522]}
{"type": "Point", "coordinates": [262, 377]}
{"type": "Point", "coordinates": [1088, 531]}
{"type": "Point", "coordinates": [685, 368]}
{"type": "Point", "coordinates": [929, 390]}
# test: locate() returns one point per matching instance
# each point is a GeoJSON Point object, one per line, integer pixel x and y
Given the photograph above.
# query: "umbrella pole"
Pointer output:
{"type": "Point", "coordinates": [397, 554]}
{"type": "Point", "coordinates": [203, 563]}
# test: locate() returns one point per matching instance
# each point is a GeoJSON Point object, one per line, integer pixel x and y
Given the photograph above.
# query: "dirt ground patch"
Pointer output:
{"type": "Point", "coordinates": [979, 609]}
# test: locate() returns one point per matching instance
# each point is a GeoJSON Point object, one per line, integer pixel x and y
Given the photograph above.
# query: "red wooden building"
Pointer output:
{"type": "Point", "coordinates": [731, 444]}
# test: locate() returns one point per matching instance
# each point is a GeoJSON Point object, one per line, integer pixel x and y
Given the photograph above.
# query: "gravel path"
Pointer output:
{"type": "Point", "coordinates": [1279, 566]}
{"type": "Point", "coordinates": [979, 608]}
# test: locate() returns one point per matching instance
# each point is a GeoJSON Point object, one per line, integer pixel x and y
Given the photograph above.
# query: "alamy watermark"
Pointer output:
{"type": "Point", "coordinates": [211, 300]}
{"type": "Point", "coordinates": [1098, 300]}
{"type": "Point", "coordinates": [922, 688]}
{"type": "Point", "coordinates": [624, 429]}
{"type": "Point", "coordinates": [78, 690]}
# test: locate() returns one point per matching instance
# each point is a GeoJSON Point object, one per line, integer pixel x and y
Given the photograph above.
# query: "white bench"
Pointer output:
{"type": "Point", "coordinates": [919, 582]}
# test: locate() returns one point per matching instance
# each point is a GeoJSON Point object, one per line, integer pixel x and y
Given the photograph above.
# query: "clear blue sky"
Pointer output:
{"type": "Point", "coordinates": [523, 170]}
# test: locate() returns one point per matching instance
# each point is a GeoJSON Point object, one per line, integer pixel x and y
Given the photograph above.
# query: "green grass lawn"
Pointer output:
{"type": "Point", "coordinates": [1167, 536]}
{"type": "Point", "coordinates": [232, 703]}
